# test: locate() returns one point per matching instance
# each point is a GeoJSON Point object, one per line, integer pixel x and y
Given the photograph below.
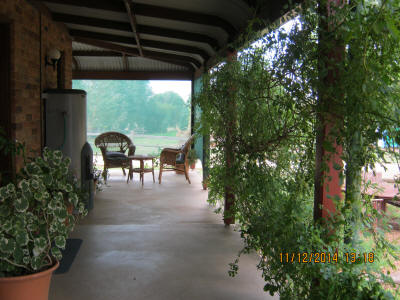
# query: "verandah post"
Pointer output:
{"type": "Point", "coordinates": [328, 166]}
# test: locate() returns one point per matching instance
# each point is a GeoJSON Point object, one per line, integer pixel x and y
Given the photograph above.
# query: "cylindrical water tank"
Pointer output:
{"type": "Point", "coordinates": [66, 124]}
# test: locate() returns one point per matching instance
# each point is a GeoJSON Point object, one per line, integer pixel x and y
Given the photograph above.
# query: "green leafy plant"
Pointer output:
{"type": "Point", "coordinates": [192, 156]}
{"type": "Point", "coordinates": [34, 217]}
{"type": "Point", "coordinates": [262, 110]}
{"type": "Point", "coordinates": [9, 148]}
{"type": "Point", "coordinates": [98, 176]}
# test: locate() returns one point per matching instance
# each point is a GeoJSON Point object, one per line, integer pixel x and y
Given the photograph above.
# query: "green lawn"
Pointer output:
{"type": "Point", "coordinates": [148, 144]}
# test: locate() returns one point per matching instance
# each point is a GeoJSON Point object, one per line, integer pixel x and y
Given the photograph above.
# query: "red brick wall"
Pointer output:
{"type": "Point", "coordinates": [29, 75]}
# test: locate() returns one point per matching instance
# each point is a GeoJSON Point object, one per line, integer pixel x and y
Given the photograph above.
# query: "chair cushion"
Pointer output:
{"type": "Point", "coordinates": [115, 155]}
{"type": "Point", "coordinates": [180, 158]}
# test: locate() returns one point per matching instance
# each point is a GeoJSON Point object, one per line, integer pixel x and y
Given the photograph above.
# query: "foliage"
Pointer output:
{"type": "Point", "coordinates": [192, 156]}
{"type": "Point", "coordinates": [98, 176]}
{"type": "Point", "coordinates": [125, 106]}
{"type": "Point", "coordinates": [7, 148]}
{"type": "Point", "coordinates": [261, 110]}
{"type": "Point", "coordinates": [34, 220]}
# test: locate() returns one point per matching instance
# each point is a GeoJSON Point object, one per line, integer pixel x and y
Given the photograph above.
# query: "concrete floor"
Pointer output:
{"type": "Point", "coordinates": [156, 242]}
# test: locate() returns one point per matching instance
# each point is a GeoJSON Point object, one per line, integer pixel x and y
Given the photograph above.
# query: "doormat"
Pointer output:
{"type": "Point", "coordinates": [68, 255]}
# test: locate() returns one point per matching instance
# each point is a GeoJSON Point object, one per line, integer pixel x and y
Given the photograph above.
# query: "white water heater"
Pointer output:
{"type": "Point", "coordinates": [66, 124]}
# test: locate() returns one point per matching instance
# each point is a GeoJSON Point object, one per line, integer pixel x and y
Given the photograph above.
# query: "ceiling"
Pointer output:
{"type": "Point", "coordinates": [154, 39]}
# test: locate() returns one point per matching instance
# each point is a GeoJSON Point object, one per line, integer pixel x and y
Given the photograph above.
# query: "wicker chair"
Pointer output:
{"type": "Point", "coordinates": [175, 159]}
{"type": "Point", "coordinates": [113, 146]}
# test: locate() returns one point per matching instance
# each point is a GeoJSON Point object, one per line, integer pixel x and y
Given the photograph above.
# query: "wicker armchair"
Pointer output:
{"type": "Point", "coordinates": [113, 146]}
{"type": "Point", "coordinates": [175, 159]}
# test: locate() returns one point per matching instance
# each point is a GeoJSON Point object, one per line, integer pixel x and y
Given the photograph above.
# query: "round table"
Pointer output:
{"type": "Point", "coordinates": [141, 170]}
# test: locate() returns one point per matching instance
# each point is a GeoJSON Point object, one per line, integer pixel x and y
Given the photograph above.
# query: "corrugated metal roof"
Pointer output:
{"type": "Point", "coordinates": [85, 47]}
{"type": "Point", "coordinates": [135, 64]}
{"type": "Point", "coordinates": [173, 36]}
{"type": "Point", "coordinates": [145, 64]}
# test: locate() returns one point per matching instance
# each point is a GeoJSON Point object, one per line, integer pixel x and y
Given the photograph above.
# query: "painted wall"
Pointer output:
{"type": "Point", "coordinates": [33, 33]}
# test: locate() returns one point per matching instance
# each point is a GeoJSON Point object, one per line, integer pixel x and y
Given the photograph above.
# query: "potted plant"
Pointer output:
{"type": "Point", "coordinates": [34, 225]}
{"type": "Point", "coordinates": [205, 183]}
{"type": "Point", "coordinates": [192, 158]}
{"type": "Point", "coordinates": [98, 178]}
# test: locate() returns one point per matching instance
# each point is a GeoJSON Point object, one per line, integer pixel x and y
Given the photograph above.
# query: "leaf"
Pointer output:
{"type": "Point", "coordinates": [60, 213]}
{"type": "Point", "coordinates": [5, 211]}
{"type": "Point", "coordinates": [36, 262]}
{"type": "Point", "coordinates": [38, 196]}
{"type": "Point", "coordinates": [73, 198]}
{"type": "Point", "coordinates": [392, 27]}
{"type": "Point", "coordinates": [21, 204]}
{"type": "Point", "coordinates": [7, 226]}
{"type": "Point", "coordinates": [18, 255]}
{"type": "Point", "coordinates": [47, 180]}
{"type": "Point", "coordinates": [60, 242]}
{"type": "Point", "coordinates": [7, 245]}
{"type": "Point", "coordinates": [337, 167]}
{"type": "Point", "coordinates": [328, 146]}
{"type": "Point", "coordinates": [56, 253]}
{"type": "Point", "coordinates": [22, 238]}
{"type": "Point", "coordinates": [26, 260]}
{"type": "Point", "coordinates": [39, 246]}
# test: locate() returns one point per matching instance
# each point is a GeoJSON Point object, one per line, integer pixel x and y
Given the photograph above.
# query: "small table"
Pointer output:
{"type": "Point", "coordinates": [141, 170]}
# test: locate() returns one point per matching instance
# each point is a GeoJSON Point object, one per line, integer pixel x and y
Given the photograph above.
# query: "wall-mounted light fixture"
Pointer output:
{"type": "Point", "coordinates": [52, 57]}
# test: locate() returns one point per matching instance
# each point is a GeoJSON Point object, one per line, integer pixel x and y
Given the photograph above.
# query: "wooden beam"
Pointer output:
{"type": "Point", "coordinates": [176, 47]}
{"type": "Point", "coordinates": [171, 58]}
{"type": "Point", "coordinates": [126, 62]}
{"type": "Point", "coordinates": [177, 34]}
{"type": "Point", "coordinates": [97, 75]}
{"type": "Point", "coordinates": [155, 12]}
{"type": "Point", "coordinates": [116, 6]}
{"type": "Point", "coordinates": [103, 36]}
{"type": "Point", "coordinates": [95, 22]}
{"type": "Point", "coordinates": [144, 29]}
{"type": "Point", "coordinates": [132, 21]}
{"type": "Point", "coordinates": [184, 16]}
{"type": "Point", "coordinates": [75, 62]}
{"type": "Point", "coordinates": [145, 43]}
{"type": "Point", "coordinates": [107, 45]}
{"type": "Point", "coordinates": [96, 53]}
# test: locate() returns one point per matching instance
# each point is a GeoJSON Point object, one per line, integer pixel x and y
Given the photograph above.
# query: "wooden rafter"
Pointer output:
{"type": "Point", "coordinates": [145, 43]}
{"type": "Point", "coordinates": [76, 63]}
{"type": "Point", "coordinates": [144, 29]}
{"type": "Point", "coordinates": [97, 53]}
{"type": "Point", "coordinates": [156, 12]}
{"type": "Point", "coordinates": [171, 58]}
{"type": "Point", "coordinates": [132, 21]}
{"type": "Point", "coordinates": [126, 62]}
{"type": "Point", "coordinates": [107, 45]}
{"type": "Point", "coordinates": [142, 75]}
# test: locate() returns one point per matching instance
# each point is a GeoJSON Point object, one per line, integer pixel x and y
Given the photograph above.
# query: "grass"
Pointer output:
{"type": "Point", "coordinates": [149, 144]}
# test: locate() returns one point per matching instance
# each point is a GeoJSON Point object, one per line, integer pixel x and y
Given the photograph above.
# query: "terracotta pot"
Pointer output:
{"type": "Point", "coordinates": [33, 287]}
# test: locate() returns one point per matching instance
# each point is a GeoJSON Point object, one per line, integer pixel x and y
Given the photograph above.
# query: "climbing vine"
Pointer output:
{"type": "Point", "coordinates": [262, 109]}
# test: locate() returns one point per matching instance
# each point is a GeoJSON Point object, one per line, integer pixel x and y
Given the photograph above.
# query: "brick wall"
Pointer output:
{"type": "Point", "coordinates": [33, 33]}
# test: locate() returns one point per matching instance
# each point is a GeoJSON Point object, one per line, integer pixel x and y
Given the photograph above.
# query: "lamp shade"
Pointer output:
{"type": "Point", "coordinates": [54, 54]}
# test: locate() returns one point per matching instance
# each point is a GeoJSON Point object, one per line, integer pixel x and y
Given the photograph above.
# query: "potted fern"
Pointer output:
{"type": "Point", "coordinates": [192, 158]}
{"type": "Point", "coordinates": [34, 225]}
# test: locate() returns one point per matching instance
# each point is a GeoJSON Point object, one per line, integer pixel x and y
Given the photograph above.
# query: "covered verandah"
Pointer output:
{"type": "Point", "coordinates": [162, 241]}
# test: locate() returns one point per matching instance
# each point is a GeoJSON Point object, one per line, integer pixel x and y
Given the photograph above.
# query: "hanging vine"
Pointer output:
{"type": "Point", "coordinates": [275, 85]}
